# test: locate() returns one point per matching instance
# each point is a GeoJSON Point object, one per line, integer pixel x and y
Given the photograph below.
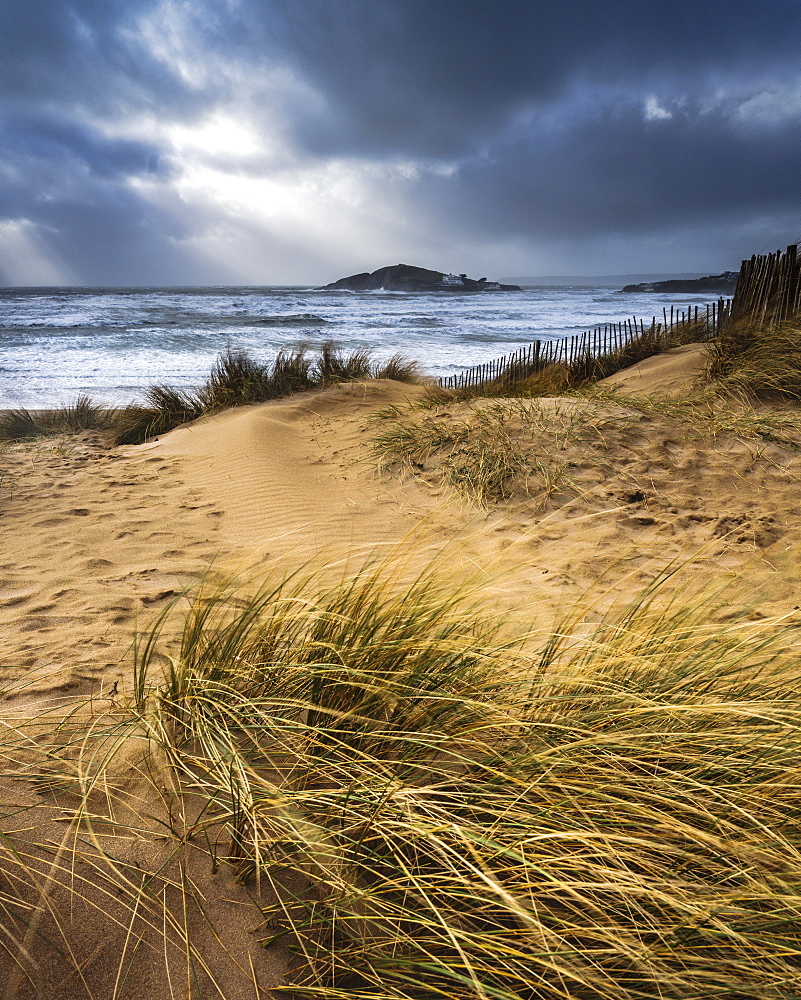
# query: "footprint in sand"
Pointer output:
{"type": "Point", "coordinates": [97, 563]}
{"type": "Point", "coordinates": [160, 595]}
{"type": "Point", "coordinates": [45, 624]}
{"type": "Point", "coordinates": [8, 598]}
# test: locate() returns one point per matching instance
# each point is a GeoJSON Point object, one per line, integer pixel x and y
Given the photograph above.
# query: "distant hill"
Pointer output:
{"type": "Point", "coordinates": [717, 284]}
{"type": "Point", "coordinates": [408, 278]}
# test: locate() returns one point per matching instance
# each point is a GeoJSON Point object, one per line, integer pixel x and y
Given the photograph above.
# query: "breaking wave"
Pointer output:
{"type": "Point", "coordinates": [297, 319]}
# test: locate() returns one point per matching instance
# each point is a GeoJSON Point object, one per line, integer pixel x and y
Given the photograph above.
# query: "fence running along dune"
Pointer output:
{"type": "Point", "coordinates": [598, 343]}
{"type": "Point", "coordinates": [768, 290]}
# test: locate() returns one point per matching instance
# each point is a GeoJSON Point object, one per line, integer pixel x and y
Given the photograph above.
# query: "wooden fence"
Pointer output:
{"type": "Point", "coordinates": [598, 343]}
{"type": "Point", "coordinates": [769, 288]}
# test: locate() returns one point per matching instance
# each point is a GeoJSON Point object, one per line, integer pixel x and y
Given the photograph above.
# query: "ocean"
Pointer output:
{"type": "Point", "coordinates": [111, 343]}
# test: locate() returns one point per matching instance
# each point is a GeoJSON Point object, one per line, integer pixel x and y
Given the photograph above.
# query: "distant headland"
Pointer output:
{"type": "Point", "coordinates": [720, 284]}
{"type": "Point", "coordinates": [407, 278]}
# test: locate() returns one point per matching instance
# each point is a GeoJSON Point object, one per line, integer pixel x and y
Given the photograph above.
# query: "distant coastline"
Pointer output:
{"type": "Point", "coordinates": [638, 280]}
{"type": "Point", "coordinates": [719, 284]}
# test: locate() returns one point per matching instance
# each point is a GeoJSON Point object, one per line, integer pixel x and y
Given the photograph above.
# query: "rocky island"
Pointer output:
{"type": "Point", "coordinates": [719, 284]}
{"type": "Point", "coordinates": [407, 278]}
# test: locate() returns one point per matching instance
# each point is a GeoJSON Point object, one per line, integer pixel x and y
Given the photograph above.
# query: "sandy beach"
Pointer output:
{"type": "Point", "coordinates": [97, 541]}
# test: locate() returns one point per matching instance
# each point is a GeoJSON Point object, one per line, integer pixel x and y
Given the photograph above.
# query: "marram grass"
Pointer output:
{"type": "Point", "coordinates": [492, 451]}
{"type": "Point", "coordinates": [606, 812]}
{"type": "Point", "coordinates": [623, 822]}
{"type": "Point", "coordinates": [82, 415]}
{"type": "Point", "coordinates": [237, 379]}
{"type": "Point", "coordinates": [758, 358]}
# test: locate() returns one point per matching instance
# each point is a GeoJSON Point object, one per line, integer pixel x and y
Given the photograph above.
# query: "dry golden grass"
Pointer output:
{"type": "Point", "coordinates": [493, 451]}
{"type": "Point", "coordinates": [82, 415]}
{"type": "Point", "coordinates": [758, 359]}
{"type": "Point", "coordinates": [437, 811]}
{"type": "Point", "coordinates": [237, 379]}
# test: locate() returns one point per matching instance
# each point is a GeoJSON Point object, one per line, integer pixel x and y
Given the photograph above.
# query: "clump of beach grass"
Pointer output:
{"type": "Point", "coordinates": [164, 408]}
{"type": "Point", "coordinates": [621, 819]}
{"type": "Point", "coordinates": [437, 808]}
{"type": "Point", "coordinates": [758, 358]}
{"type": "Point", "coordinates": [238, 379]}
{"type": "Point", "coordinates": [709, 414]}
{"type": "Point", "coordinates": [100, 889]}
{"type": "Point", "coordinates": [82, 415]}
{"type": "Point", "coordinates": [491, 451]}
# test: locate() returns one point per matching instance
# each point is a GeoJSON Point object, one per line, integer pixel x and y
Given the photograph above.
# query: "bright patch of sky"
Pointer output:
{"type": "Point", "coordinates": [26, 259]}
{"type": "Point", "coordinates": [654, 111]}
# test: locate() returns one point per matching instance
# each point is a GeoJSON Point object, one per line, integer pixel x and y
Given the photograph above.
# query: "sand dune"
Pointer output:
{"type": "Point", "coordinates": [670, 374]}
{"type": "Point", "coordinates": [284, 475]}
{"type": "Point", "coordinates": [95, 541]}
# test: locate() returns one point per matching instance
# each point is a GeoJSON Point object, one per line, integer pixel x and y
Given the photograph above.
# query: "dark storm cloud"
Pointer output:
{"type": "Point", "coordinates": [516, 118]}
{"type": "Point", "coordinates": [66, 69]}
{"type": "Point", "coordinates": [87, 55]}
{"type": "Point", "coordinates": [415, 77]}
{"type": "Point", "coordinates": [66, 146]}
{"type": "Point", "coordinates": [619, 172]}
{"type": "Point", "coordinates": [68, 182]}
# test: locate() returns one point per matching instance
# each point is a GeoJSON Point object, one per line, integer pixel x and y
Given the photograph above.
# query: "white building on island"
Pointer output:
{"type": "Point", "coordinates": [451, 281]}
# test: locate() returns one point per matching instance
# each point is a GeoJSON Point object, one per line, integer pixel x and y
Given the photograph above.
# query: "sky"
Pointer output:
{"type": "Point", "coordinates": [171, 142]}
